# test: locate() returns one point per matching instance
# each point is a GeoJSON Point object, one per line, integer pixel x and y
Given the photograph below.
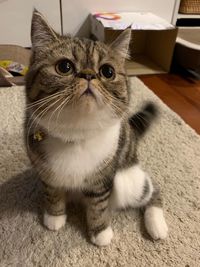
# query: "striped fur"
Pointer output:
{"type": "Point", "coordinates": [141, 120]}
{"type": "Point", "coordinates": [78, 133]}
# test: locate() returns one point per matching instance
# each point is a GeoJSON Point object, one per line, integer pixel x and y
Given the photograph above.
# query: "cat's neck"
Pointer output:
{"type": "Point", "coordinates": [72, 135]}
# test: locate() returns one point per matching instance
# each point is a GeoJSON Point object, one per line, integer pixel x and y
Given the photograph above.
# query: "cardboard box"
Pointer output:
{"type": "Point", "coordinates": [153, 39]}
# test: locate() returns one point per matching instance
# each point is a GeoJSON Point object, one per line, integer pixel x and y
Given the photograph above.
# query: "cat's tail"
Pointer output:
{"type": "Point", "coordinates": [142, 120]}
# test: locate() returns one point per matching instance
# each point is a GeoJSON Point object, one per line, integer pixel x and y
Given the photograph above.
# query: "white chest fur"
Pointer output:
{"type": "Point", "coordinates": [71, 163]}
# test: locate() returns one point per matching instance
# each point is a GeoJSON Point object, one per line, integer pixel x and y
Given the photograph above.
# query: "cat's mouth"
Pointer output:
{"type": "Point", "coordinates": [88, 92]}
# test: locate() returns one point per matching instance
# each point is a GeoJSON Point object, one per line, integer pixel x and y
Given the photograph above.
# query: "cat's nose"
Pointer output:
{"type": "Point", "coordinates": [87, 74]}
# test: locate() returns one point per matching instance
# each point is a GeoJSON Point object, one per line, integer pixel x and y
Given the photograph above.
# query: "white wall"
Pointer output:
{"type": "Point", "coordinates": [15, 19]}
{"type": "Point", "coordinates": [75, 12]}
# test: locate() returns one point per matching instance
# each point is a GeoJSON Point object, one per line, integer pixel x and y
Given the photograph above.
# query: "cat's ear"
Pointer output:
{"type": "Point", "coordinates": [121, 44]}
{"type": "Point", "coordinates": [41, 32]}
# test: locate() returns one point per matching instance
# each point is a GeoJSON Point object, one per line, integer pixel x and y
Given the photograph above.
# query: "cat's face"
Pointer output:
{"type": "Point", "coordinates": [76, 82]}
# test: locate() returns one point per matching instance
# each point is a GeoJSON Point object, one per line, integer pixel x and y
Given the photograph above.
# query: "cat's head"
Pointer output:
{"type": "Point", "coordinates": [77, 83]}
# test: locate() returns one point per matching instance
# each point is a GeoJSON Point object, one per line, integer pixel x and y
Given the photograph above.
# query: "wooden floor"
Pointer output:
{"type": "Point", "coordinates": [180, 94]}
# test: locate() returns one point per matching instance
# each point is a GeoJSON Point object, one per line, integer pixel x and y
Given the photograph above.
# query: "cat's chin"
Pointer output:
{"type": "Point", "coordinates": [87, 98]}
{"type": "Point", "coordinates": [89, 102]}
{"type": "Point", "coordinates": [87, 106]}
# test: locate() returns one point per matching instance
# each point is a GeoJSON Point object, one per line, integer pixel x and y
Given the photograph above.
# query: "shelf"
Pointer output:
{"type": "Point", "coordinates": [188, 16]}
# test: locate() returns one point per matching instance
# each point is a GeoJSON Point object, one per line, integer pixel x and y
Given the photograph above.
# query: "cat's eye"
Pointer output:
{"type": "Point", "coordinates": [64, 67]}
{"type": "Point", "coordinates": [107, 71]}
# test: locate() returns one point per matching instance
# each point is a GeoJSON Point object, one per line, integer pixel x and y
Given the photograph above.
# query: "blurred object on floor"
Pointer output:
{"type": "Point", "coordinates": [7, 79]}
{"type": "Point", "coordinates": [14, 61]}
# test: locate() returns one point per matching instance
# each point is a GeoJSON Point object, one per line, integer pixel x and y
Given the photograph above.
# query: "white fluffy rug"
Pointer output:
{"type": "Point", "coordinates": [170, 152]}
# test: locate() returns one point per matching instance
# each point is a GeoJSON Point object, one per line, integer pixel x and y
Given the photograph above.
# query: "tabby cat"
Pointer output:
{"type": "Point", "coordinates": [80, 137]}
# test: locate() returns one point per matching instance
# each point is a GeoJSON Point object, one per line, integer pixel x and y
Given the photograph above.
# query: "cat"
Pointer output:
{"type": "Point", "coordinates": [80, 136]}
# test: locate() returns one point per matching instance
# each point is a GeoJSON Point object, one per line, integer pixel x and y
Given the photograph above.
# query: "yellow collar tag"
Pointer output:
{"type": "Point", "coordinates": [38, 136]}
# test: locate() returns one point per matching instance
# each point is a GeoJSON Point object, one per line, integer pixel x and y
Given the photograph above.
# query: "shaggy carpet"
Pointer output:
{"type": "Point", "coordinates": [170, 152]}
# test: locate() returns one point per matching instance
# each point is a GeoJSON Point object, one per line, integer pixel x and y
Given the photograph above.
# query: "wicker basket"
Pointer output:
{"type": "Point", "coordinates": [190, 7]}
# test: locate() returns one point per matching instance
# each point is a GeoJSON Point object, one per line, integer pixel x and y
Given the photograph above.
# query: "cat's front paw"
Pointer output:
{"type": "Point", "coordinates": [54, 223]}
{"type": "Point", "coordinates": [103, 238]}
{"type": "Point", "coordinates": [155, 223]}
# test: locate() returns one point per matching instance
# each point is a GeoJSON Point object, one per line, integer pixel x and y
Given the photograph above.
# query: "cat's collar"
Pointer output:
{"type": "Point", "coordinates": [40, 135]}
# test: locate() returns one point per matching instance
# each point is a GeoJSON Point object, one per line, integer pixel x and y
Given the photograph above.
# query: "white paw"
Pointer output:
{"type": "Point", "coordinates": [132, 188]}
{"type": "Point", "coordinates": [54, 222]}
{"type": "Point", "coordinates": [155, 223]}
{"type": "Point", "coordinates": [103, 238]}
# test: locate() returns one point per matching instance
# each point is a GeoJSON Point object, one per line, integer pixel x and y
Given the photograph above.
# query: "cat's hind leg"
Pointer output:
{"type": "Point", "coordinates": [133, 188]}
{"type": "Point", "coordinates": [154, 219]}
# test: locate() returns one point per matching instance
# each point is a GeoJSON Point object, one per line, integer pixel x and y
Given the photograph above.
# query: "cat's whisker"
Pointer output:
{"type": "Point", "coordinates": [111, 99]}
{"type": "Point", "coordinates": [46, 99]}
{"type": "Point", "coordinates": [46, 110]}
{"type": "Point", "coordinates": [63, 92]}
{"type": "Point", "coordinates": [59, 111]}
{"type": "Point", "coordinates": [65, 100]}
{"type": "Point", "coordinates": [114, 107]}
{"type": "Point", "coordinates": [30, 127]}
{"type": "Point", "coordinates": [62, 107]}
{"type": "Point", "coordinates": [52, 113]}
{"type": "Point", "coordinates": [117, 107]}
{"type": "Point", "coordinates": [48, 96]}
{"type": "Point", "coordinates": [36, 110]}
{"type": "Point", "coordinates": [36, 103]}
{"type": "Point", "coordinates": [39, 116]}
{"type": "Point", "coordinates": [41, 105]}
